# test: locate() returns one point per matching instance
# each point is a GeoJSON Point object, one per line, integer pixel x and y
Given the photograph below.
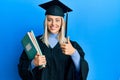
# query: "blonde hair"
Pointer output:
{"type": "Point", "coordinates": [61, 34]}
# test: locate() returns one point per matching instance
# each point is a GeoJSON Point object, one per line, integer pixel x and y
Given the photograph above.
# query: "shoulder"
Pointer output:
{"type": "Point", "coordinates": [75, 44]}
{"type": "Point", "coordinates": [38, 37]}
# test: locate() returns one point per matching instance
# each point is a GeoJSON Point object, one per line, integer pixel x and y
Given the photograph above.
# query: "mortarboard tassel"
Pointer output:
{"type": "Point", "coordinates": [66, 24]}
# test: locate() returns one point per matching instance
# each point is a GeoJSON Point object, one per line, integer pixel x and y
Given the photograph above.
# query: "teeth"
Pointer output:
{"type": "Point", "coordinates": [53, 27]}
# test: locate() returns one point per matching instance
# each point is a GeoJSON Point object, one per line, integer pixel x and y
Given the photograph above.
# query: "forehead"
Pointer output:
{"type": "Point", "coordinates": [52, 16]}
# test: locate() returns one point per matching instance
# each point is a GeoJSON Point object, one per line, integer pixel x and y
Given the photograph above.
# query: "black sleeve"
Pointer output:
{"type": "Point", "coordinates": [23, 67]}
{"type": "Point", "coordinates": [84, 67]}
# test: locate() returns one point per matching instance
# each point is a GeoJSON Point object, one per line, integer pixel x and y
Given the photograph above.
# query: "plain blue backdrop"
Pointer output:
{"type": "Point", "coordinates": [94, 24]}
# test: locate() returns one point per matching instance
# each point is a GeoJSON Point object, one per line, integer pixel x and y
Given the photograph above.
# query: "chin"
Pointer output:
{"type": "Point", "coordinates": [54, 32]}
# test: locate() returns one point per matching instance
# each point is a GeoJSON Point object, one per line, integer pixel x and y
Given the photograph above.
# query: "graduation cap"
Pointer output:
{"type": "Point", "coordinates": [56, 8]}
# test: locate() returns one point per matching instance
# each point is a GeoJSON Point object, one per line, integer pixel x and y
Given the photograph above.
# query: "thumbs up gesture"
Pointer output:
{"type": "Point", "coordinates": [67, 47]}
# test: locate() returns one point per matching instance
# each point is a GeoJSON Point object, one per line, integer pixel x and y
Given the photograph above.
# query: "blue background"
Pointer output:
{"type": "Point", "coordinates": [94, 24]}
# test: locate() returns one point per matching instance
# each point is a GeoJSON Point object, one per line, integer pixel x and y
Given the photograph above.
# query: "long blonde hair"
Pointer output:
{"type": "Point", "coordinates": [61, 34]}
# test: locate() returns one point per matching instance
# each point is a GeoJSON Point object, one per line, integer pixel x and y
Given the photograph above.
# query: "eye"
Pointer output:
{"type": "Point", "coordinates": [57, 20]}
{"type": "Point", "coordinates": [49, 20]}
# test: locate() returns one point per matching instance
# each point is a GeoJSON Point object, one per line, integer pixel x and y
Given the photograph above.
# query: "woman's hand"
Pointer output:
{"type": "Point", "coordinates": [39, 60]}
{"type": "Point", "coordinates": [67, 48]}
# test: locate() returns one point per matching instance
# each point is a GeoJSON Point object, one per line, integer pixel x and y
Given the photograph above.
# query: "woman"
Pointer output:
{"type": "Point", "coordinates": [63, 59]}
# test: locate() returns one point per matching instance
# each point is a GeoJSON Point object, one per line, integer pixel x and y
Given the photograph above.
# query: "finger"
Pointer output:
{"type": "Point", "coordinates": [64, 51]}
{"type": "Point", "coordinates": [63, 48]}
{"type": "Point", "coordinates": [63, 45]}
{"type": "Point", "coordinates": [43, 62]}
{"type": "Point", "coordinates": [68, 39]}
{"type": "Point", "coordinates": [43, 57]}
{"type": "Point", "coordinates": [37, 54]}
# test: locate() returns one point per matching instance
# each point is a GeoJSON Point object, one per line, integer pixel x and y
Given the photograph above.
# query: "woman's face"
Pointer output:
{"type": "Point", "coordinates": [54, 23]}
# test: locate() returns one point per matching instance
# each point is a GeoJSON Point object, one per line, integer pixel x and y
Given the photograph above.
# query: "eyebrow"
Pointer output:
{"type": "Point", "coordinates": [52, 18]}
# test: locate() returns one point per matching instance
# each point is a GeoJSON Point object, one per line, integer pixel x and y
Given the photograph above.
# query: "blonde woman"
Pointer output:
{"type": "Point", "coordinates": [63, 58]}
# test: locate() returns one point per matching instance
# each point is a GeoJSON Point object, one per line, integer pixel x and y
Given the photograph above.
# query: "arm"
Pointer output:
{"type": "Point", "coordinates": [23, 67]}
{"type": "Point", "coordinates": [84, 67]}
{"type": "Point", "coordinates": [76, 59]}
{"type": "Point", "coordinates": [28, 72]}
{"type": "Point", "coordinates": [69, 49]}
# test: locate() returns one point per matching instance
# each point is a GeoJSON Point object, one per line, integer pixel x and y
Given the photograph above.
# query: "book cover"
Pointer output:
{"type": "Point", "coordinates": [30, 44]}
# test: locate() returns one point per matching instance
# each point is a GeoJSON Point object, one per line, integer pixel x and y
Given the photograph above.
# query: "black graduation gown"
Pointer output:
{"type": "Point", "coordinates": [59, 66]}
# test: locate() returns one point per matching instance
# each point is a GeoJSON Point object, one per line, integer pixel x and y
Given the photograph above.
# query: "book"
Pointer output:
{"type": "Point", "coordinates": [30, 45]}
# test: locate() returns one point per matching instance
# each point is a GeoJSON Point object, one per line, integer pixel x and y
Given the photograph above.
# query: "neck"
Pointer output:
{"type": "Point", "coordinates": [53, 35]}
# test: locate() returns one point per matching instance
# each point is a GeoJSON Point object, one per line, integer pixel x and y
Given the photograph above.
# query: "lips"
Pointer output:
{"type": "Point", "coordinates": [53, 27]}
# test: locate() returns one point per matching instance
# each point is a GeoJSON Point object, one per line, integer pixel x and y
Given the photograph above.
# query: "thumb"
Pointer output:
{"type": "Point", "coordinates": [37, 54]}
{"type": "Point", "coordinates": [68, 39]}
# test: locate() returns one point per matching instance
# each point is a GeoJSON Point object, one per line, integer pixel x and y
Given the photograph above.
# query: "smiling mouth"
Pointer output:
{"type": "Point", "coordinates": [53, 27]}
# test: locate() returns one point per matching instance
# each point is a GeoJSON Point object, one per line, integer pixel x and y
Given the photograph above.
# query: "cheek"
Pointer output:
{"type": "Point", "coordinates": [48, 24]}
{"type": "Point", "coordinates": [60, 24]}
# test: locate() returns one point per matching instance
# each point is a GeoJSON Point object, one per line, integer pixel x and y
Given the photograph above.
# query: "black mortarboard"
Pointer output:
{"type": "Point", "coordinates": [57, 8]}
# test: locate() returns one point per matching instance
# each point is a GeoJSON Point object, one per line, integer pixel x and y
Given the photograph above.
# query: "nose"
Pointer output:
{"type": "Point", "coordinates": [53, 22]}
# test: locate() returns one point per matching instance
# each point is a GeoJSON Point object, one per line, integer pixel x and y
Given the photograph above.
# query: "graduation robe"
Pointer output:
{"type": "Point", "coordinates": [59, 66]}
